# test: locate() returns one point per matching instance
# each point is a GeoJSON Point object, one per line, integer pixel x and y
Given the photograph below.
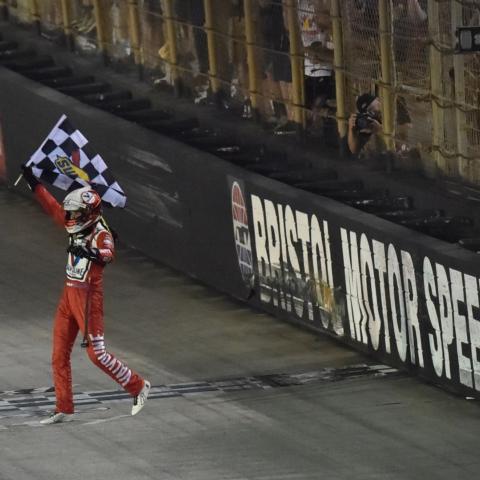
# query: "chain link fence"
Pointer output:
{"type": "Point", "coordinates": [275, 60]}
{"type": "Point", "coordinates": [361, 44]}
{"type": "Point", "coordinates": [468, 14]}
{"type": "Point", "coordinates": [435, 91]}
{"type": "Point", "coordinates": [153, 40]}
{"type": "Point", "coordinates": [413, 110]}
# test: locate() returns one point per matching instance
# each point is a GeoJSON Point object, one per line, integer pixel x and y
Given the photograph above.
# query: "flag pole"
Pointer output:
{"type": "Point", "coordinates": [17, 181]}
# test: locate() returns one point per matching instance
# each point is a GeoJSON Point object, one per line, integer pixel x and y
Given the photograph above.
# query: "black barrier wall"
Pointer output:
{"type": "Point", "coordinates": [401, 296]}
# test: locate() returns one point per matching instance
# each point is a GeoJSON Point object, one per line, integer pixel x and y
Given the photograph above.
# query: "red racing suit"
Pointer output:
{"type": "Point", "coordinates": [81, 299]}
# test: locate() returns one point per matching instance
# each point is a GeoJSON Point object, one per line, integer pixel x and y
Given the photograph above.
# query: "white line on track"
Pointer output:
{"type": "Point", "coordinates": [104, 420]}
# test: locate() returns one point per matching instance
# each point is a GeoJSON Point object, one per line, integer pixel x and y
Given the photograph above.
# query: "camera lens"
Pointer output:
{"type": "Point", "coordinates": [362, 121]}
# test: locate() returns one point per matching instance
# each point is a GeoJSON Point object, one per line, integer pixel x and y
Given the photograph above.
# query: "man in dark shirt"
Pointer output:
{"type": "Point", "coordinates": [362, 125]}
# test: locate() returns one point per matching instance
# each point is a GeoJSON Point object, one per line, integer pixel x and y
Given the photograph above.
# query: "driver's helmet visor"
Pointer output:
{"type": "Point", "coordinates": [74, 214]}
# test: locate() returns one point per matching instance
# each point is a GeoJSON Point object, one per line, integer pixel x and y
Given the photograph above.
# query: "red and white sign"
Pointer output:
{"type": "Point", "coordinates": [242, 234]}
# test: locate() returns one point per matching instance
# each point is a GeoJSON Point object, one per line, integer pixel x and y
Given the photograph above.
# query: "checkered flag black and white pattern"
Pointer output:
{"type": "Point", "coordinates": [66, 160]}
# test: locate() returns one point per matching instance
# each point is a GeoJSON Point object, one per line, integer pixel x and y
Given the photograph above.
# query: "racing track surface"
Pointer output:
{"type": "Point", "coordinates": [237, 394]}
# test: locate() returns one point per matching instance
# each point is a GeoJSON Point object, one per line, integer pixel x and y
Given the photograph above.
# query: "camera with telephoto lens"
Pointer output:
{"type": "Point", "coordinates": [364, 120]}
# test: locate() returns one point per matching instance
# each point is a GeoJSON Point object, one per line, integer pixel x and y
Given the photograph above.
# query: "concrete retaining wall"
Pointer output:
{"type": "Point", "coordinates": [405, 298]}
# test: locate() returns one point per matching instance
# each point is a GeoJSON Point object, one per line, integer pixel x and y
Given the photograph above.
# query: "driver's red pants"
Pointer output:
{"type": "Point", "coordinates": [69, 319]}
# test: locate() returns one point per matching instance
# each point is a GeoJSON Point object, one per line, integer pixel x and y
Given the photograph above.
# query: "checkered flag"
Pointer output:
{"type": "Point", "coordinates": [66, 160]}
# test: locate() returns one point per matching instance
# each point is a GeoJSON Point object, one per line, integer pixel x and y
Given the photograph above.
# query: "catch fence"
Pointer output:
{"type": "Point", "coordinates": [297, 65]}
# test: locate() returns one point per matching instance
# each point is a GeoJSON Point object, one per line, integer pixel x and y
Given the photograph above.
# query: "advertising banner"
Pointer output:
{"type": "Point", "coordinates": [399, 295]}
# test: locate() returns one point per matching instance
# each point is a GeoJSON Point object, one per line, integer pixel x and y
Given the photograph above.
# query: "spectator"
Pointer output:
{"type": "Point", "coordinates": [315, 31]}
{"type": "Point", "coordinates": [120, 48]}
{"type": "Point", "coordinates": [192, 45]}
{"type": "Point", "coordinates": [237, 57]}
{"type": "Point", "coordinates": [416, 10]}
{"type": "Point", "coordinates": [318, 76]}
{"type": "Point", "coordinates": [273, 26]}
{"type": "Point", "coordinates": [316, 34]}
{"type": "Point", "coordinates": [411, 32]}
{"type": "Point", "coordinates": [232, 69]}
{"type": "Point", "coordinates": [310, 29]}
{"type": "Point", "coordinates": [151, 18]}
{"type": "Point", "coordinates": [361, 36]}
{"type": "Point", "coordinates": [363, 18]}
{"type": "Point", "coordinates": [84, 19]}
{"type": "Point", "coordinates": [364, 127]}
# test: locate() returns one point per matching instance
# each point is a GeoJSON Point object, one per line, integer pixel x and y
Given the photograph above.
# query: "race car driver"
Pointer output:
{"type": "Point", "coordinates": [91, 247]}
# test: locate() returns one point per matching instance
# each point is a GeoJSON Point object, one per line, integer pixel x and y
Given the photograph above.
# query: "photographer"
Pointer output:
{"type": "Point", "coordinates": [363, 125]}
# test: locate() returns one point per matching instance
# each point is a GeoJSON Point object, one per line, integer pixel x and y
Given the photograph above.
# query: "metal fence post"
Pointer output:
{"type": "Point", "coordinates": [296, 62]}
{"type": "Point", "coordinates": [171, 43]}
{"type": "Point", "coordinates": [212, 47]}
{"type": "Point", "coordinates": [387, 73]}
{"type": "Point", "coordinates": [436, 86]}
{"type": "Point", "coordinates": [460, 116]}
{"type": "Point", "coordinates": [100, 27]}
{"type": "Point", "coordinates": [67, 24]}
{"type": "Point", "coordinates": [35, 16]}
{"type": "Point", "coordinates": [251, 56]}
{"type": "Point", "coordinates": [339, 67]}
{"type": "Point", "coordinates": [134, 34]}
{"type": "Point", "coordinates": [3, 10]}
